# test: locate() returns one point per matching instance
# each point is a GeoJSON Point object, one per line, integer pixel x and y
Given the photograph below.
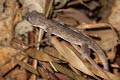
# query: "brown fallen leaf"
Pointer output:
{"type": "Point", "coordinates": [26, 66]}
{"type": "Point", "coordinates": [68, 72]}
{"type": "Point", "coordinates": [70, 56]}
{"type": "Point", "coordinates": [53, 52]}
{"type": "Point", "coordinates": [40, 55]}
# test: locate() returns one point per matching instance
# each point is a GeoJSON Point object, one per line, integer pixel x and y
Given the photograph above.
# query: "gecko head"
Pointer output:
{"type": "Point", "coordinates": [35, 18]}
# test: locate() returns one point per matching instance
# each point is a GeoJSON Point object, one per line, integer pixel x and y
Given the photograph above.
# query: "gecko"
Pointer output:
{"type": "Point", "coordinates": [76, 37]}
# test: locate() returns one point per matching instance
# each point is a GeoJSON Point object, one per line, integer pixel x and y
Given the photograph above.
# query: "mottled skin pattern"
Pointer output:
{"type": "Point", "coordinates": [39, 20]}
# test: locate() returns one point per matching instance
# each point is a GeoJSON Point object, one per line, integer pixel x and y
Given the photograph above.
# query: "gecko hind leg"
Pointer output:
{"type": "Point", "coordinates": [85, 50]}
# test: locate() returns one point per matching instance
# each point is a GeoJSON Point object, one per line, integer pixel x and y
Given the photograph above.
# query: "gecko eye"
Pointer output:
{"type": "Point", "coordinates": [28, 16]}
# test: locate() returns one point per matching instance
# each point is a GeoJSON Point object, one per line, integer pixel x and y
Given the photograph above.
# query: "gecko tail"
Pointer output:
{"type": "Point", "coordinates": [95, 47]}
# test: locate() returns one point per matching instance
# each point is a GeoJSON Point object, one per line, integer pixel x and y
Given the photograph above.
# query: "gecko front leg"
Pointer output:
{"type": "Point", "coordinates": [49, 32]}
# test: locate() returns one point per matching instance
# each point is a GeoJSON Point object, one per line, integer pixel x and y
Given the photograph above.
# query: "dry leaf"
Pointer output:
{"type": "Point", "coordinates": [70, 56]}
{"type": "Point", "coordinates": [39, 55]}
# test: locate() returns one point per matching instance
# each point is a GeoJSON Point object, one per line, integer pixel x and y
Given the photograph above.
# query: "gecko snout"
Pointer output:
{"type": "Point", "coordinates": [35, 17]}
{"type": "Point", "coordinates": [30, 17]}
